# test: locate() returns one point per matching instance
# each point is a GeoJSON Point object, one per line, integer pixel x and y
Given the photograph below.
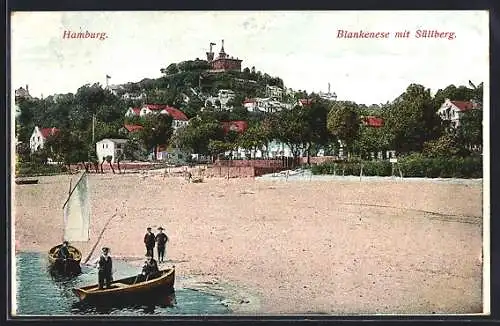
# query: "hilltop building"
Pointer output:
{"type": "Point", "coordinates": [223, 62]}
{"type": "Point", "coordinates": [453, 111]}
{"type": "Point", "coordinates": [22, 93]}
{"type": "Point", "coordinates": [330, 96]}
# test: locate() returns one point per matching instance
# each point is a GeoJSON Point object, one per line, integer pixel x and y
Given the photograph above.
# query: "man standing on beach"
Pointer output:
{"type": "Point", "coordinates": [149, 241]}
{"type": "Point", "coordinates": [161, 241]}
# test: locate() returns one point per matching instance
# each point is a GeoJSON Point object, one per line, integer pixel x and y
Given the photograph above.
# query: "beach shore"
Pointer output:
{"type": "Point", "coordinates": [274, 247]}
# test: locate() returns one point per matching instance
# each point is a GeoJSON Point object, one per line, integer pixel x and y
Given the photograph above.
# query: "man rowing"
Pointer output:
{"type": "Point", "coordinates": [64, 253]}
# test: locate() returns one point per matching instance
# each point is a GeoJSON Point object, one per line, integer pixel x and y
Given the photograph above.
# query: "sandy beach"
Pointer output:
{"type": "Point", "coordinates": [274, 247]}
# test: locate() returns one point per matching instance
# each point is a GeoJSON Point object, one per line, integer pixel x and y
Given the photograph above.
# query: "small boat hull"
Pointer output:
{"type": "Point", "coordinates": [68, 266]}
{"type": "Point", "coordinates": [127, 289]}
{"type": "Point", "coordinates": [26, 181]}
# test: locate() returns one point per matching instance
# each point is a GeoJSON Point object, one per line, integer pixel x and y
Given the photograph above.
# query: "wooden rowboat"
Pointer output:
{"type": "Point", "coordinates": [68, 266]}
{"type": "Point", "coordinates": [26, 181]}
{"type": "Point", "coordinates": [127, 288]}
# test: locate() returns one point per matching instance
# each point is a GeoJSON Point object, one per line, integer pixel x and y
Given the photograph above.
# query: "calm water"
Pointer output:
{"type": "Point", "coordinates": [39, 293]}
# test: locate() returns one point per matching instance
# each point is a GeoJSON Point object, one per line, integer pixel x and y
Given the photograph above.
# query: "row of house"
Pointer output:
{"type": "Point", "coordinates": [179, 119]}
{"type": "Point", "coordinates": [451, 111]}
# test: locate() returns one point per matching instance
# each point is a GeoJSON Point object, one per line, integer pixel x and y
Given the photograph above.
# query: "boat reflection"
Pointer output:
{"type": "Point", "coordinates": [60, 274]}
{"type": "Point", "coordinates": [144, 304]}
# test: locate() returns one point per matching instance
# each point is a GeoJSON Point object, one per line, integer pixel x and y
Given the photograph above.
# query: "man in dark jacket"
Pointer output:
{"type": "Point", "coordinates": [64, 251]}
{"type": "Point", "coordinates": [149, 241]}
{"type": "Point", "coordinates": [105, 265]}
{"type": "Point", "coordinates": [161, 241]}
{"type": "Point", "coordinates": [149, 269]}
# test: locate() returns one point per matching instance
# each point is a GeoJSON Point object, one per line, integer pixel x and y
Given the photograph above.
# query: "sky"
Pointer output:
{"type": "Point", "coordinates": [300, 47]}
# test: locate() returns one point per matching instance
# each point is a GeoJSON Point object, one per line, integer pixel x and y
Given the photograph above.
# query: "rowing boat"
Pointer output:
{"type": "Point", "coordinates": [26, 181]}
{"type": "Point", "coordinates": [68, 266]}
{"type": "Point", "coordinates": [127, 288]}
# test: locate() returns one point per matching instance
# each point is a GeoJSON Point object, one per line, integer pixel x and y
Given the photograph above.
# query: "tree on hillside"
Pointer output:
{"type": "Point", "coordinates": [254, 138]}
{"type": "Point", "coordinates": [444, 146]}
{"type": "Point", "coordinates": [67, 147]}
{"type": "Point", "coordinates": [218, 147]}
{"type": "Point", "coordinates": [133, 151]}
{"type": "Point", "coordinates": [238, 113]}
{"type": "Point", "coordinates": [197, 135]}
{"type": "Point", "coordinates": [371, 140]}
{"type": "Point", "coordinates": [317, 131]}
{"type": "Point", "coordinates": [412, 120]}
{"type": "Point", "coordinates": [343, 123]}
{"type": "Point", "coordinates": [461, 93]}
{"type": "Point", "coordinates": [157, 130]}
{"type": "Point", "coordinates": [470, 131]}
{"type": "Point", "coordinates": [170, 70]}
{"type": "Point", "coordinates": [292, 128]}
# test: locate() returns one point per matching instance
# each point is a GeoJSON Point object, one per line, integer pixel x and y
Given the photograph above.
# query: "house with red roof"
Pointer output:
{"type": "Point", "coordinates": [372, 121]}
{"type": "Point", "coordinates": [39, 137]}
{"type": "Point", "coordinates": [304, 102]}
{"type": "Point", "coordinates": [179, 119]}
{"type": "Point", "coordinates": [132, 128]}
{"type": "Point", "coordinates": [453, 111]}
{"type": "Point", "coordinates": [237, 125]}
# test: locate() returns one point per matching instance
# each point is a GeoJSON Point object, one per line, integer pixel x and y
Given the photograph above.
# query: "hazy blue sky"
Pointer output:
{"type": "Point", "coordinates": [300, 47]}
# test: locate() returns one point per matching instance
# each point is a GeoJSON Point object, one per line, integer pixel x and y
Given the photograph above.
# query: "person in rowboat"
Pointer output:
{"type": "Point", "coordinates": [161, 241]}
{"type": "Point", "coordinates": [149, 241]}
{"type": "Point", "coordinates": [64, 251]}
{"type": "Point", "coordinates": [149, 269]}
{"type": "Point", "coordinates": [105, 265]}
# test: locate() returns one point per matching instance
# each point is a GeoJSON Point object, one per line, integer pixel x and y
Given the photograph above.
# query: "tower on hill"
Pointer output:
{"type": "Point", "coordinates": [223, 62]}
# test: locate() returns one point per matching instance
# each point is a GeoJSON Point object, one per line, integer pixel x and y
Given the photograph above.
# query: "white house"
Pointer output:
{"type": "Point", "coordinates": [223, 96]}
{"type": "Point", "coordinates": [274, 92]}
{"type": "Point", "coordinates": [453, 110]}
{"type": "Point", "coordinates": [115, 89]}
{"type": "Point", "coordinates": [267, 105]}
{"type": "Point", "coordinates": [109, 146]}
{"type": "Point", "coordinates": [39, 136]}
{"type": "Point", "coordinates": [179, 119]}
{"type": "Point", "coordinates": [275, 149]}
{"type": "Point", "coordinates": [132, 96]}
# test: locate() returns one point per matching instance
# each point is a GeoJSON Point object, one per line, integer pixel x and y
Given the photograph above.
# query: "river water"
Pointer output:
{"type": "Point", "coordinates": [40, 293]}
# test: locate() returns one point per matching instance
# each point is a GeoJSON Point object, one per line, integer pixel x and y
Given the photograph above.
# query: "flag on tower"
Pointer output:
{"type": "Point", "coordinates": [108, 76]}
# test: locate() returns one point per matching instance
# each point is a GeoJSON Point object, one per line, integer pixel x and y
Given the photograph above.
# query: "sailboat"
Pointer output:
{"type": "Point", "coordinates": [76, 212]}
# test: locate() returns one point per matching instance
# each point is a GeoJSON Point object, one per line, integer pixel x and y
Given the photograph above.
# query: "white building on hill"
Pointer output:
{"type": "Point", "coordinates": [454, 110]}
{"type": "Point", "coordinates": [179, 119]}
{"type": "Point", "coordinates": [39, 137]}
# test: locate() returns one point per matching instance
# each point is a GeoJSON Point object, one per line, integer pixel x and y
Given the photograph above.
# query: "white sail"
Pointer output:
{"type": "Point", "coordinates": [77, 212]}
